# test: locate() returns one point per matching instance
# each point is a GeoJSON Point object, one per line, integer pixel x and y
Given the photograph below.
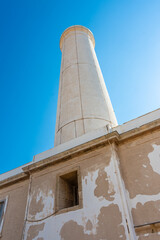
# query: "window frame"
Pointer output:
{"type": "Point", "coordinates": [5, 200]}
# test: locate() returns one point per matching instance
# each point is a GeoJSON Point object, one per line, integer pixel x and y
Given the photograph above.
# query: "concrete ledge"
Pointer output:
{"type": "Point", "coordinates": [12, 179]}
{"type": "Point", "coordinates": [99, 137]}
{"type": "Point", "coordinates": [70, 153]}
{"type": "Point", "coordinates": [71, 144]}
{"type": "Point", "coordinates": [137, 122]}
{"type": "Point", "coordinates": [12, 173]}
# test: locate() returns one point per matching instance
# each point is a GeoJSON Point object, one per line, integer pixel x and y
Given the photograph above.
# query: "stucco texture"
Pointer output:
{"type": "Point", "coordinates": [101, 206]}
{"type": "Point", "coordinates": [15, 211]}
{"type": "Point", "coordinates": [140, 166]}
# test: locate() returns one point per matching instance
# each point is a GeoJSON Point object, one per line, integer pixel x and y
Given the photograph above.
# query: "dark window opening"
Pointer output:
{"type": "Point", "coordinates": [68, 190]}
{"type": "Point", "coordinates": [2, 203]}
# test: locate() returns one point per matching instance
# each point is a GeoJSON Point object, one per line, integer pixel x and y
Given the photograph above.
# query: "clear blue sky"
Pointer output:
{"type": "Point", "coordinates": [127, 35]}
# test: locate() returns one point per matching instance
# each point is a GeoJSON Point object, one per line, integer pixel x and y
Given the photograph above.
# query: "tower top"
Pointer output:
{"type": "Point", "coordinates": [76, 28]}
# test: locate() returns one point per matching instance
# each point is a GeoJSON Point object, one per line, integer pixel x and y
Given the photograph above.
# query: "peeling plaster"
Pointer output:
{"type": "Point", "coordinates": [142, 174]}
{"type": "Point", "coordinates": [154, 158]}
{"type": "Point", "coordinates": [142, 199]}
{"type": "Point", "coordinates": [43, 202]}
{"type": "Point", "coordinates": [88, 218]}
{"type": "Point", "coordinates": [147, 213]}
{"type": "Point", "coordinates": [48, 203]}
{"type": "Point", "coordinates": [104, 186]}
{"type": "Point", "coordinates": [34, 230]}
{"type": "Point", "coordinates": [105, 224]}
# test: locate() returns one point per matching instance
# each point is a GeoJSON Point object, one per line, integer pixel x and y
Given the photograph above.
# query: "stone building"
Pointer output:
{"type": "Point", "coordinates": [101, 181]}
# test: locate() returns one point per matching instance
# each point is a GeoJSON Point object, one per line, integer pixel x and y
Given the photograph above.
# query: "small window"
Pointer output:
{"type": "Point", "coordinates": [3, 204]}
{"type": "Point", "coordinates": [68, 195]}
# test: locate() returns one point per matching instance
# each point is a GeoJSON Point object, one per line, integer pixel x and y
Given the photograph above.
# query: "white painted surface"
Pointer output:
{"type": "Point", "coordinates": [154, 158]}
{"type": "Point", "coordinates": [143, 199]}
{"type": "Point", "coordinates": [47, 200]}
{"type": "Point", "coordinates": [54, 223]}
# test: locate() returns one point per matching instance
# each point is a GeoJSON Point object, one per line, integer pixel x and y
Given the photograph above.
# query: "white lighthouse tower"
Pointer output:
{"type": "Point", "coordinates": [83, 103]}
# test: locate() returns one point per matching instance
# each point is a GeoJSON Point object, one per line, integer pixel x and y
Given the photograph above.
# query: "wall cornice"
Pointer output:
{"type": "Point", "coordinates": [80, 149]}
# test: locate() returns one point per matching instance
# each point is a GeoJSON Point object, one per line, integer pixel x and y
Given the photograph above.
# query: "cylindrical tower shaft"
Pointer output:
{"type": "Point", "coordinates": [83, 101]}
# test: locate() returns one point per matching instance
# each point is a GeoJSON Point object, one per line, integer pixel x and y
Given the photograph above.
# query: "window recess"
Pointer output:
{"type": "Point", "coordinates": [68, 190]}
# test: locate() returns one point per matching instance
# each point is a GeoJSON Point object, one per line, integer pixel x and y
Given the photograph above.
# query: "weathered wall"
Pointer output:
{"type": "Point", "coordinates": [106, 204]}
{"type": "Point", "coordinates": [15, 211]}
{"type": "Point", "coordinates": [140, 165]}
{"type": "Point", "coordinates": [100, 209]}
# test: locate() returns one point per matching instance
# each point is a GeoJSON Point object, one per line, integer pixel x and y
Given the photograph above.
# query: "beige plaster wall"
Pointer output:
{"type": "Point", "coordinates": [100, 209]}
{"type": "Point", "coordinates": [101, 213]}
{"type": "Point", "coordinates": [140, 166]}
{"type": "Point", "coordinates": [15, 211]}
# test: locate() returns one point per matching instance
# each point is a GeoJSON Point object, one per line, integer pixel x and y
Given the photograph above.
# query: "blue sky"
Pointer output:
{"type": "Point", "coordinates": [127, 35]}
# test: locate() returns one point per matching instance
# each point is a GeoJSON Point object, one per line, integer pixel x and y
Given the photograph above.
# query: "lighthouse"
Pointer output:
{"type": "Point", "coordinates": [83, 102]}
